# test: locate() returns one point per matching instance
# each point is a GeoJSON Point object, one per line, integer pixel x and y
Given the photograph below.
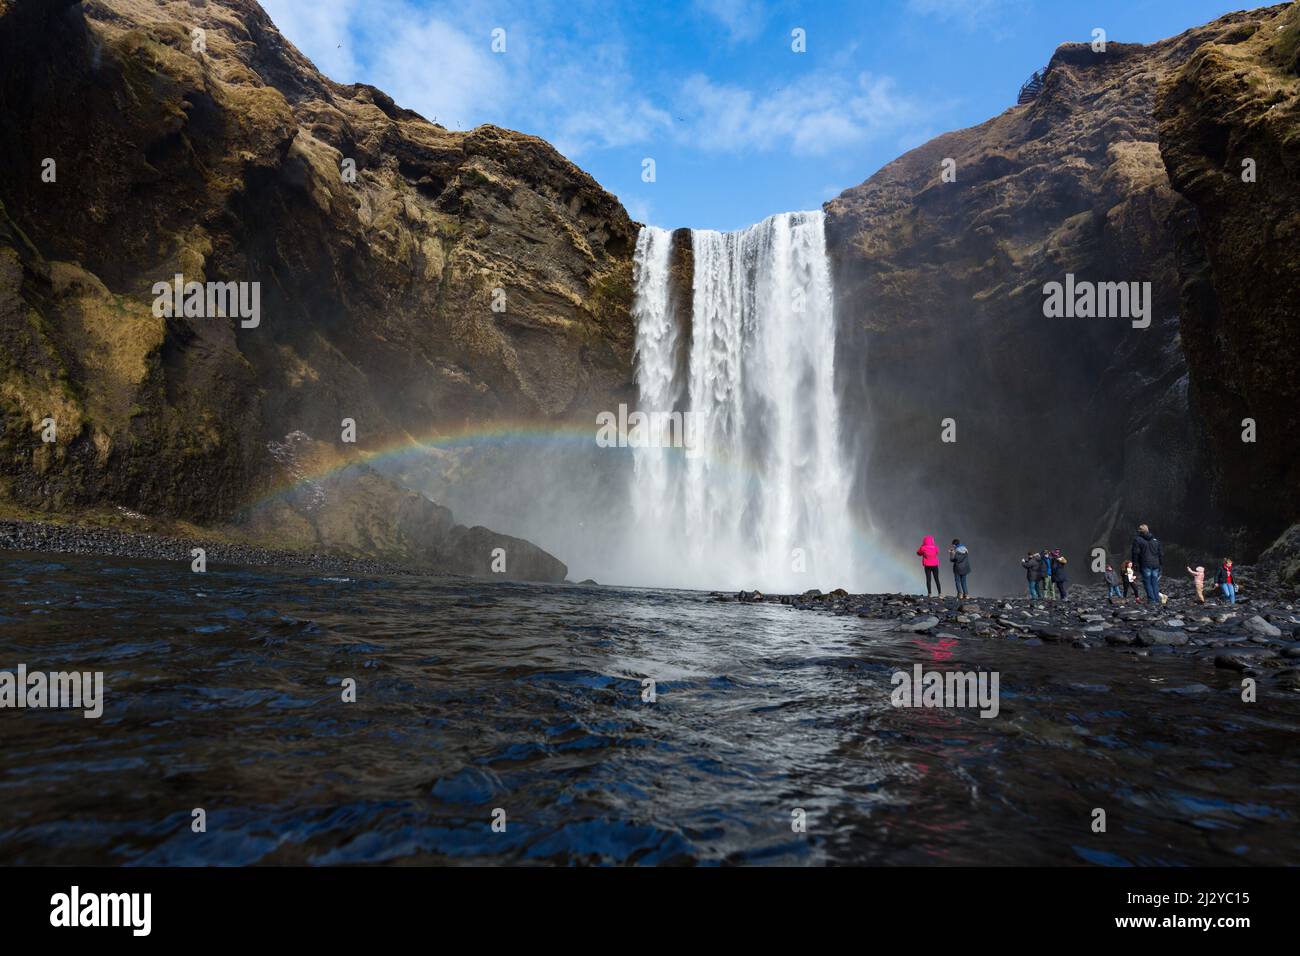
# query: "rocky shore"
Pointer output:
{"type": "Point", "coordinates": [1257, 637]}
{"type": "Point", "coordinates": [75, 539]}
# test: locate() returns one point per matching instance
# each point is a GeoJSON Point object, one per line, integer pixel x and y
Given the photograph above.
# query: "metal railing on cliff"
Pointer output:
{"type": "Point", "coordinates": [1032, 87]}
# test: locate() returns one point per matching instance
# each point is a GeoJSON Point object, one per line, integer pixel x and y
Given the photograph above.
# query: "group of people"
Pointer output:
{"type": "Point", "coordinates": [958, 556]}
{"type": "Point", "coordinates": [1147, 562]}
{"type": "Point", "coordinates": [1223, 580]}
{"type": "Point", "coordinates": [1047, 575]}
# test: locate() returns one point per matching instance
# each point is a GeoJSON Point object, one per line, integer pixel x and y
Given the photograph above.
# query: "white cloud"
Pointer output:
{"type": "Point", "coordinates": [319, 29]}
{"type": "Point", "coordinates": [638, 208]}
{"type": "Point", "coordinates": [424, 62]}
{"type": "Point", "coordinates": [441, 72]}
{"type": "Point", "coordinates": [614, 124]}
{"type": "Point", "coordinates": [588, 99]}
{"type": "Point", "coordinates": [813, 117]}
{"type": "Point", "coordinates": [743, 19]}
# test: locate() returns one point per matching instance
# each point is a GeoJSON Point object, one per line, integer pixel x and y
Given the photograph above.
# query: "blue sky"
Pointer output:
{"type": "Point", "coordinates": [739, 125]}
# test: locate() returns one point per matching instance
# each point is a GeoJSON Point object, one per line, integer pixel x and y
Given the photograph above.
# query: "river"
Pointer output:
{"type": "Point", "coordinates": [527, 704]}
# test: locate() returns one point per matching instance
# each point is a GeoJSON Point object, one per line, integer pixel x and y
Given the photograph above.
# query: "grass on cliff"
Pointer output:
{"type": "Point", "coordinates": [1286, 48]}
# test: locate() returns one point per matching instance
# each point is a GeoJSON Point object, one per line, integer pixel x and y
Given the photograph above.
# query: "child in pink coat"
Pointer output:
{"type": "Point", "coordinates": [1198, 578]}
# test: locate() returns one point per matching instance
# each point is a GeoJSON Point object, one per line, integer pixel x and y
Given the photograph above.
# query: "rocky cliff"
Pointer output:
{"type": "Point", "coordinates": [1069, 431]}
{"type": "Point", "coordinates": [1229, 127]}
{"type": "Point", "coordinates": [411, 278]}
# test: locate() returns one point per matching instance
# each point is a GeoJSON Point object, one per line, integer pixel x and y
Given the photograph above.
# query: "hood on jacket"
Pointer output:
{"type": "Point", "coordinates": [927, 541]}
{"type": "Point", "coordinates": [961, 549]}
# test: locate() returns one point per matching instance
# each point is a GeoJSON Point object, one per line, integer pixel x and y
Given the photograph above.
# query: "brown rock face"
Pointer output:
{"type": "Point", "coordinates": [1229, 125]}
{"type": "Point", "coordinates": [462, 275]}
{"type": "Point", "coordinates": [1069, 431]}
{"type": "Point", "coordinates": [335, 504]}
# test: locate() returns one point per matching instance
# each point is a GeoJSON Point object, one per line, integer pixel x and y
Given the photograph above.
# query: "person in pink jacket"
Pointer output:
{"type": "Point", "coordinates": [929, 553]}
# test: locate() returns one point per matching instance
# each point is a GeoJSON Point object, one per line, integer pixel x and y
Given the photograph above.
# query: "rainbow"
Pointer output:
{"type": "Point", "coordinates": [898, 563]}
{"type": "Point", "coordinates": [500, 434]}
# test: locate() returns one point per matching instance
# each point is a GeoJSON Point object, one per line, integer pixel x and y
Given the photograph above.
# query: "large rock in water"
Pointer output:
{"type": "Point", "coordinates": [1068, 430]}
{"type": "Point", "coordinates": [376, 295]}
{"type": "Point", "coordinates": [333, 503]}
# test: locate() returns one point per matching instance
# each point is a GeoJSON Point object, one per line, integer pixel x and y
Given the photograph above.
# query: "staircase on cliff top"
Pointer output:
{"type": "Point", "coordinates": [1032, 87]}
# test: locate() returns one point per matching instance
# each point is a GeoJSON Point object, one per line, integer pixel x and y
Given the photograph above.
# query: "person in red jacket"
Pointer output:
{"type": "Point", "coordinates": [929, 553]}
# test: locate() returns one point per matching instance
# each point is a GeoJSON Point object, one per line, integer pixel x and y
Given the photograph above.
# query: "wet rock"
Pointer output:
{"type": "Point", "coordinates": [919, 625]}
{"type": "Point", "coordinates": [1257, 625]}
{"type": "Point", "coordinates": [1154, 637]}
{"type": "Point", "coordinates": [1056, 634]}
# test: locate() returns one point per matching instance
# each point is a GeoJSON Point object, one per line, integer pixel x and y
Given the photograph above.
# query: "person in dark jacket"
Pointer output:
{"type": "Point", "coordinates": [1226, 582]}
{"type": "Point", "coordinates": [1130, 578]}
{"type": "Point", "coordinates": [1113, 582]}
{"type": "Point", "coordinates": [1033, 566]}
{"type": "Point", "coordinates": [1148, 559]}
{"type": "Point", "coordinates": [1059, 577]}
{"type": "Point", "coordinates": [1047, 588]}
{"type": "Point", "coordinates": [960, 559]}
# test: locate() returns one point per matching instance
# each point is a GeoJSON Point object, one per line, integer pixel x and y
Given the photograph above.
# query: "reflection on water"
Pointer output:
{"type": "Point", "coordinates": [223, 692]}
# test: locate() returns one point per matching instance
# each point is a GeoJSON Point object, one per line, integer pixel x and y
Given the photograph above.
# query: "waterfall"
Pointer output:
{"type": "Point", "coordinates": [761, 499]}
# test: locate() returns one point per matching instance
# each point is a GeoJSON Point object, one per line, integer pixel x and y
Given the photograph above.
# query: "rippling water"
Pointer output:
{"type": "Point", "coordinates": [223, 692]}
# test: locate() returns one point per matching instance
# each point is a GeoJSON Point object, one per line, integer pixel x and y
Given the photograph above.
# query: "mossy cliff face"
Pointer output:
{"type": "Point", "coordinates": [1069, 431]}
{"type": "Point", "coordinates": [1229, 126]}
{"type": "Point", "coordinates": [233, 163]}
